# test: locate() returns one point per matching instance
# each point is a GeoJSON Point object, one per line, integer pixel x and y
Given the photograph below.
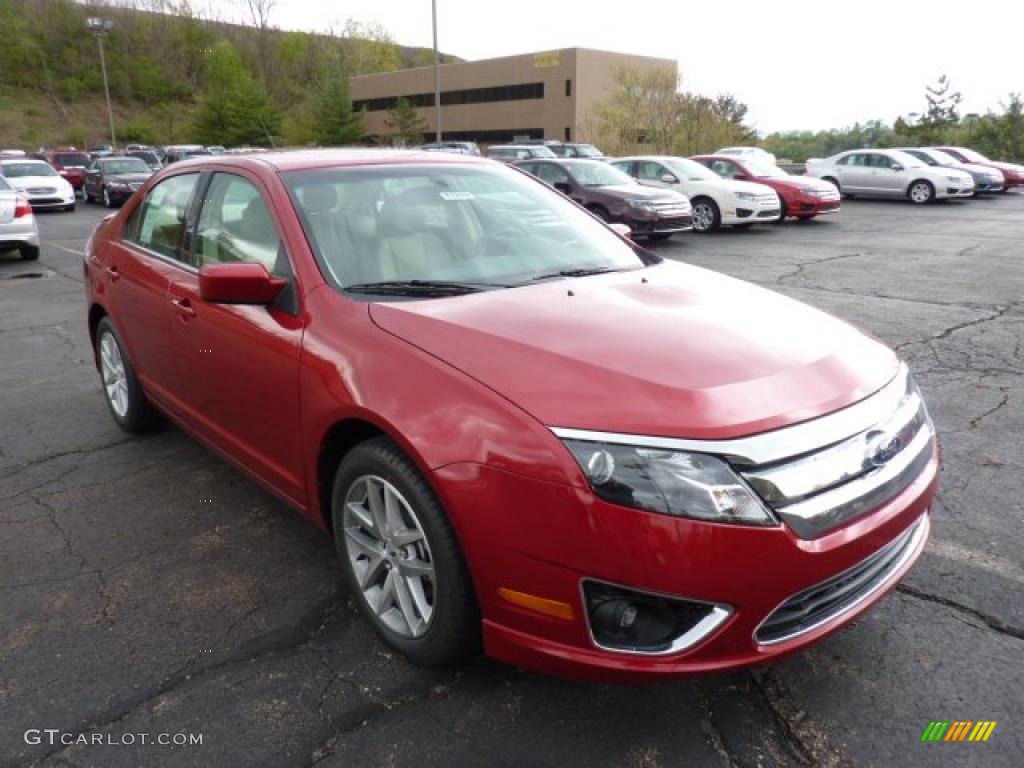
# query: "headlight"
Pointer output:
{"type": "Point", "coordinates": [957, 179]}
{"type": "Point", "coordinates": [671, 482]}
{"type": "Point", "coordinates": [812, 191]}
{"type": "Point", "coordinates": [746, 196]}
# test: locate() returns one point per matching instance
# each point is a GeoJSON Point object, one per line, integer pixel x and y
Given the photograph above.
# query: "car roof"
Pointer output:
{"type": "Point", "coordinates": [311, 159]}
{"type": "Point", "coordinates": [22, 160]}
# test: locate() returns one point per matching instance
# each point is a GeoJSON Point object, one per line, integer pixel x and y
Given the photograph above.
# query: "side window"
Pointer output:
{"type": "Point", "coordinates": [158, 224]}
{"type": "Point", "coordinates": [552, 174]}
{"type": "Point", "coordinates": [528, 167]}
{"type": "Point", "coordinates": [648, 171]}
{"type": "Point", "coordinates": [881, 161]}
{"type": "Point", "coordinates": [724, 168]}
{"type": "Point", "coordinates": [627, 167]}
{"type": "Point", "coordinates": [235, 225]}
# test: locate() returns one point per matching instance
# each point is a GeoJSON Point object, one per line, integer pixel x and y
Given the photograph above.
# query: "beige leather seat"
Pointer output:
{"type": "Point", "coordinates": [407, 249]}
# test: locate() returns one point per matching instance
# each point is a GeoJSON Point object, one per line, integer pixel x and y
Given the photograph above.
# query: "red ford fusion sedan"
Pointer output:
{"type": "Point", "coordinates": [802, 197]}
{"type": "Point", "coordinates": [522, 430]}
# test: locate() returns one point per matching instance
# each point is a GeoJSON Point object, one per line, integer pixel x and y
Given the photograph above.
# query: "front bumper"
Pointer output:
{"type": "Point", "coordinates": [661, 224]}
{"type": "Point", "coordinates": [545, 539]}
{"type": "Point", "coordinates": [806, 206]}
{"type": "Point", "coordinates": [953, 189]}
{"type": "Point", "coordinates": [752, 212]}
{"type": "Point", "coordinates": [50, 201]}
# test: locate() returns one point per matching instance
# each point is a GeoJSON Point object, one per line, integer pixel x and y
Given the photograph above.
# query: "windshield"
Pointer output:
{"type": "Point", "coordinates": [591, 173]}
{"type": "Point", "coordinates": [764, 170]}
{"type": "Point", "coordinates": [125, 165]}
{"type": "Point", "coordinates": [541, 151]}
{"type": "Point", "coordinates": [588, 150]}
{"type": "Point", "coordinates": [690, 170]}
{"type": "Point", "coordinates": [146, 157]}
{"type": "Point", "coordinates": [71, 159]}
{"type": "Point", "coordinates": [4, 186]}
{"type": "Point", "coordinates": [480, 226]}
{"type": "Point", "coordinates": [20, 170]}
{"type": "Point", "coordinates": [972, 156]}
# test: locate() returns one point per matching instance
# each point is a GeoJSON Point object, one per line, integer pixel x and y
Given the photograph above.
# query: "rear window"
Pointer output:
{"type": "Point", "coordinates": [71, 159]}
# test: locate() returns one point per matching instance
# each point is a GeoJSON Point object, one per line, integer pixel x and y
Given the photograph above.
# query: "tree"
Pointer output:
{"type": "Point", "coordinates": [335, 122]}
{"type": "Point", "coordinates": [643, 110]}
{"type": "Point", "coordinates": [368, 48]}
{"type": "Point", "coordinates": [940, 118]}
{"type": "Point", "coordinates": [406, 122]}
{"type": "Point", "coordinates": [234, 109]}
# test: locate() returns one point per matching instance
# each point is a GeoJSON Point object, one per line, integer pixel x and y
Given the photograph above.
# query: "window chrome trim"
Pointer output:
{"type": "Point", "coordinates": [719, 614]}
{"type": "Point", "coordinates": [779, 444]}
{"type": "Point", "coordinates": [918, 536]}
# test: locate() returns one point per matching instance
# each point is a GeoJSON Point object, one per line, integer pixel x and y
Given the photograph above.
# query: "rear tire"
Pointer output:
{"type": "Point", "coordinates": [409, 530]}
{"type": "Point", "coordinates": [659, 237]}
{"type": "Point", "coordinates": [128, 404]}
{"type": "Point", "coordinates": [783, 211]}
{"type": "Point", "coordinates": [29, 252]}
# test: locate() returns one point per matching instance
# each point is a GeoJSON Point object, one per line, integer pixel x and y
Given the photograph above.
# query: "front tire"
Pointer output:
{"type": "Point", "coordinates": [127, 402]}
{"type": "Point", "coordinates": [706, 216]}
{"type": "Point", "coordinates": [401, 558]}
{"type": "Point", "coordinates": [108, 202]}
{"type": "Point", "coordinates": [29, 252]}
{"type": "Point", "coordinates": [921, 192]}
{"type": "Point", "coordinates": [659, 237]}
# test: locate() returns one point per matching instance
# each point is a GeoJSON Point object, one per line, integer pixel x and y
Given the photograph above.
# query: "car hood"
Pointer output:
{"type": "Point", "coordinates": [669, 350]}
{"type": "Point", "coordinates": [29, 182]}
{"type": "Point", "coordinates": [798, 182]}
{"type": "Point", "coordinates": [744, 186]}
{"type": "Point", "coordinates": [1009, 167]}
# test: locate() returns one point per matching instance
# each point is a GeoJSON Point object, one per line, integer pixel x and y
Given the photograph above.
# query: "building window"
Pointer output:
{"type": "Point", "coordinates": [568, 133]}
{"type": "Point", "coordinates": [568, 87]}
{"type": "Point", "coordinates": [519, 92]}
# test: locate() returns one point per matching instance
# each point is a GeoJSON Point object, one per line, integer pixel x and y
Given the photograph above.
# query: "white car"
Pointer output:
{"type": "Point", "coordinates": [716, 201]}
{"type": "Point", "coordinates": [751, 153]}
{"type": "Point", "coordinates": [39, 183]}
{"type": "Point", "coordinates": [18, 228]}
{"type": "Point", "coordinates": [890, 173]}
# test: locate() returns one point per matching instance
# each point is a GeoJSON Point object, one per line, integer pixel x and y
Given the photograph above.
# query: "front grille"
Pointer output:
{"type": "Point", "coordinates": [45, 201]}
{"type": "Point", "coordinates": [845, 476]}
{"type": "Point", "coordinates": [768, 214]}
{"type": "Point", "coordinates": [41, 190]}
{"type": "Point", "coordinates": [823, 602]}
{"type": "Point", "coordinates": [670, 207]}
{"type": "Point", "coordinates": [675, 223]}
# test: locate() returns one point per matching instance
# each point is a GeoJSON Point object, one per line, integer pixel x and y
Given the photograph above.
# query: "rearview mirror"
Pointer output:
{"type": "Point", "coordinates": [622, 230]}
{"type": "Point", "coordinates": [668, 178]}
{"type": "Point", "coordinates": [239, 282]}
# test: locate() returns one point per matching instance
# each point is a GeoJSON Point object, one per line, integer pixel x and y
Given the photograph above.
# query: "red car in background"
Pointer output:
{"type": "Point", "coordinates": [1013, 173]}
{"type": "Point", "coordinates": [802, 197]}
{"type": "Point", "coordinates": [69, 163]}
{"type": "Point", "coordinates": [521, 429]}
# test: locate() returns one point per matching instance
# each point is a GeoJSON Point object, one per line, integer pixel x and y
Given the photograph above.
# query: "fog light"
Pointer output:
{"type": "Point", "coordinates": [638, 622]}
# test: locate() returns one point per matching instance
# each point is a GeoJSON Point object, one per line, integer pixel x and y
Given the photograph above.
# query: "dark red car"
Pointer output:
{"type": "Point", "coordinates": [69, 163]}
{"type": "Point", "coordinates": [802, 197]}
{"type": "Point", "coordinates": [521, 429]}
{"type": "Point", "coordinates": [615, 196]}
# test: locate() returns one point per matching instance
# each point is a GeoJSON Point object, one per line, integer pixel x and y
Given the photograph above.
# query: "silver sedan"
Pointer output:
{"type": "Point", "coordinates": [18, 228]}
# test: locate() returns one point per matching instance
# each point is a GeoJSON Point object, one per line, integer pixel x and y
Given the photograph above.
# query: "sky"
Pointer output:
{"type": "Point", "coordinates": [797, 65]}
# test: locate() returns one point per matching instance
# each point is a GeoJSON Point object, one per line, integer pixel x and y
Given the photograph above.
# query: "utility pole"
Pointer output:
{"type": "Point", "coordinates": [100, 28]}
{"type": "Point", "coordinates": [437, 72]}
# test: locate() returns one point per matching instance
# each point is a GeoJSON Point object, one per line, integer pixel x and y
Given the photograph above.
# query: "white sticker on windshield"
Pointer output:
{"type": "Point", "coordinates": [450, 196]}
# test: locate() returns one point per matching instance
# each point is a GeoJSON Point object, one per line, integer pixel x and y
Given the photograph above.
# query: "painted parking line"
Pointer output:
{"type": "Point", "coordinates": [63, 248]}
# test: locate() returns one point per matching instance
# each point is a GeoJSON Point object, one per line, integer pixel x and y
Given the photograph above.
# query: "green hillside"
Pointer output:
{"type": "Point", "coordinates": [174, 76]}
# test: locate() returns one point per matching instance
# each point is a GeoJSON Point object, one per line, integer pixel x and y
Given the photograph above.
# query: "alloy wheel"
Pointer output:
{"type": "Point", "coordinates": [703, 217]}
{"type": "Point", "coordinates": [115, 381]}
{"type": "Point", "coordinates": [106, 197]}
{"type": "Point", "coordinates": [921, 193]}
{"type": "Point", "coordinates": [389, 555]}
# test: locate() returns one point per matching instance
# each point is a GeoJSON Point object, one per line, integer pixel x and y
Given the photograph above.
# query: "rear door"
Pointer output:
{"type": "Point", "coordinates": [239, 364]}
{"type": "Point", "coordinates": [854, 172]}
{"type": "Point", "coordinates": [137, 271]}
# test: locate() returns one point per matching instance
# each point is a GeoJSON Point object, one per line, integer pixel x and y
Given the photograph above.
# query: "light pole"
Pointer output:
{"type": "Point", "coordinates": [100, 28]}
{"type": "Point", "coordinates": [437, 72]}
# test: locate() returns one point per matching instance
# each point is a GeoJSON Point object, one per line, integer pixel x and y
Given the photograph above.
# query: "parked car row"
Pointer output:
{"type": "Point", "coordinates": [922, 174]}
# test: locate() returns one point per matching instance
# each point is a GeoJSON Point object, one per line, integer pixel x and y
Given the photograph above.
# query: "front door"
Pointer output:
{"type": "Point", "coordinates": [239, 364]}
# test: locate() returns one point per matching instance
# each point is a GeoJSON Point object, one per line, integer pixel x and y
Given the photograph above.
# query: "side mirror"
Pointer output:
{"type": "Point", "coordinates": [564, 187]}
{"type": "Point", "coordinates": [668, 178]}
{"type": "Point", "coordinates": [620, 229]}
{"type": "Point", "coordinates": [896, 167]}
{"type": "Point", "coordinates": [239, 282]}
{"type": "Point", "coordinates": [740, 177]}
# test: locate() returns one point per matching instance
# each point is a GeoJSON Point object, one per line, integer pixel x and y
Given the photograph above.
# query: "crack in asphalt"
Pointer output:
{"type": "Point", "coordinates": [802, 265]}
{"type": "Point", "coordinates": [8, 471]}
{"type": "Point", "coordinates": [994, 623]}
{"type": "Point", "coordinates": [810, 746]}
{"type": "Point", "coordinates": [712, 731]}
{"type": "Point", "coordinates": [998, 311]}
{"type": "Point", "coordinates": [295, 637]}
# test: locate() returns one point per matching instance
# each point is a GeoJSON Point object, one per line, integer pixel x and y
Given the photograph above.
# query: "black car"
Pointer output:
{"type": "Point", "coordinates": [113, 180]}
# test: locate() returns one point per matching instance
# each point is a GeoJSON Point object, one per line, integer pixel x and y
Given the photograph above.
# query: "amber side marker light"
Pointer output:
{"type": "Point", "coordinates": [540, 604]}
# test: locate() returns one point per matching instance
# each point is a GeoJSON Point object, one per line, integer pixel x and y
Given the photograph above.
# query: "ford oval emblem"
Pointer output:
{"type": "Point", "coordinates": [882, 447]}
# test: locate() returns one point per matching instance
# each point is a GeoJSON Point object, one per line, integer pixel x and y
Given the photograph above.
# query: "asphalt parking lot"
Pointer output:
{"type": "Point", "coordinates": [148, 587]}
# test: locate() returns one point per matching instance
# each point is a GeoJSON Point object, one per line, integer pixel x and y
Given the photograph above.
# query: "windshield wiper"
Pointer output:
{"type": "Point", "coordinates": [579, 272]}
{"type": "Point", "coordinates": [419, 288]}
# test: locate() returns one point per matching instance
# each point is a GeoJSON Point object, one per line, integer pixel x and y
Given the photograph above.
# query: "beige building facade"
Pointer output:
{"type": "Point", "coordinates": [546, 95]}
